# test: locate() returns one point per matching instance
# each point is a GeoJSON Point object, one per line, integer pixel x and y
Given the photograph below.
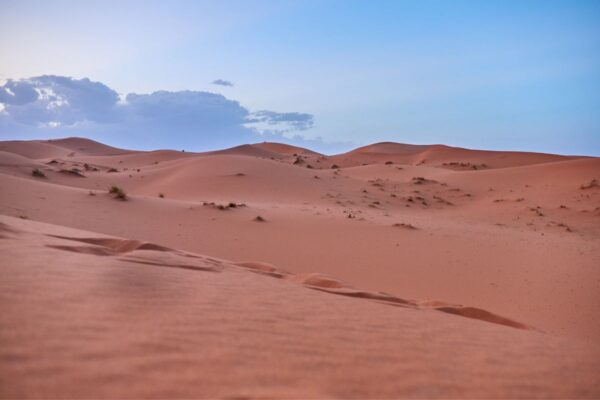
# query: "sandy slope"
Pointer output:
{"type": "Point", "coordinates": [440, 155]}
{"type": "Point", "coordinates": [516, 234]}
{"type": "Point", "coordinates": [111, 317]}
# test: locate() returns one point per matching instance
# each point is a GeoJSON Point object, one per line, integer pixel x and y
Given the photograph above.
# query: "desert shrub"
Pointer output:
{"type": "Point", "coordinates": [117, 192]}
{"type": "Point", "coordinates": [405, 226]}
{"type": "Point", "coordinates": [223, 207]}
{"type": "Point", "coordinates": [72, 172]}
{"type": "Point", "coordinates": [259, 219]}
{"type": "Point", "coordinates": [38, 173]}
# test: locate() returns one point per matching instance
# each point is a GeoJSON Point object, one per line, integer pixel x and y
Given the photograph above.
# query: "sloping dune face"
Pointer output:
{"type": "Point", "coordinates": [425, 253]}
{"type": "Point", "coordinates": [69, 147]}
{"type": "Point", "coordinates": [86, 315]}
{"type": "Point", "coordinates": [281, 148]}
{"type": "Point", "coordinates": [441, 156]}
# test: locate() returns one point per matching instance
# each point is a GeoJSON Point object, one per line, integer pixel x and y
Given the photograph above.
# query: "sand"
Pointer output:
{"type": "Point", "coordinates": [404, 271]}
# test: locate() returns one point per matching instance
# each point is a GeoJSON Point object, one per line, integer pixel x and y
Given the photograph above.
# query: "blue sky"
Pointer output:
{"type": "Point", "coordinates": [521, 75]}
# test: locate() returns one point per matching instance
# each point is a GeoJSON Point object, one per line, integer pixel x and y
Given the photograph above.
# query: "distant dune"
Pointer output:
{"type": "Point", "coordinates": [269, 270]}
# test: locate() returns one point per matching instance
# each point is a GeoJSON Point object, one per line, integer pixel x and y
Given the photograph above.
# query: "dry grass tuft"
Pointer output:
{"type": "Point", "coordinates": [37, 173]}
{"type": "Point", "coordinates": [118, 193]}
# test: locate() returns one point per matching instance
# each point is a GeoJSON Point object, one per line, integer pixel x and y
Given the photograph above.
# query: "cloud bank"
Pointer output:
{"type": "Point", "coordinates": [53, 106]}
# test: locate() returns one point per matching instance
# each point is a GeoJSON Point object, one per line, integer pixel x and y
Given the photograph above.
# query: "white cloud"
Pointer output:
{"type": "Point", "coordinates": [51, 105]}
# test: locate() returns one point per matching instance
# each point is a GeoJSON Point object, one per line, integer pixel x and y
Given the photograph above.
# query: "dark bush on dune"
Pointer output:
{"type": "Point", "coordinates": [38, 173]}
{"type": "Point", "coordinates": [117, 192]}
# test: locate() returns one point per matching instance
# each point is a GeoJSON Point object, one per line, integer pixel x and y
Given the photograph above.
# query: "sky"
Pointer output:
{"type": "Point", "coordinates": [329, 75]}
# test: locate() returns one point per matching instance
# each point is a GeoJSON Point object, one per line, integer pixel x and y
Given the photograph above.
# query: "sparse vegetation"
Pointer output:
{"type": "Point", "coordinates": [259, 219]}
{"type": "Point", "coordinates": [537, 210]}
{"type": "Point", "coordinates": [38, 173]}
{"type": "Point", "coordinates": [118, 193]}
{"type": "Point", "coordinates": [443, 201]}
{"type": "Point", "coordinates": [335, 166]}
{"type": "Point", "coordinates": [161, 195]}
{"type": "Point", "coordinates": [404, 225]}
{"type": "Point", "coordinates": [112, 170]}
{"type": "Point", "coordinates": [377, 182]}
{"type": "Point", "coordinates": [73, 172]}
{"type": "Point", "coordinates": [414, 199]}
{"type": "Point", "coordinates": [86, 166]}
{"type": "Point", "coordinates": [464, 165]}
{"type": "Point", "coordinates": [419, 180]}
{"type": "Point", "coordinates": [223, 207]}
{"type": "Point", "coordinates": [389, 162]}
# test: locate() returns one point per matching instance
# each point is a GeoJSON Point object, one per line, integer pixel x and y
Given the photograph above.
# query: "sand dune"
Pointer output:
{"type": "Point", "coordinates": [282, 148]}
{"type": "Point", "coordinates": [69, 147]}
{"type": "Point", "coordinates": [83, 146]}
{"type": "Point", "coordinates": [440, 155]}
{"type": "Point", "coordinates": [112, 317]}
{"type": "Point", "coordinates": [514, 242]}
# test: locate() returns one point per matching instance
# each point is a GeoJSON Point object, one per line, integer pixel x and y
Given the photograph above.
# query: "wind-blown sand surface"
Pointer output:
{"type": "Point", "coordinates": [298, 309]}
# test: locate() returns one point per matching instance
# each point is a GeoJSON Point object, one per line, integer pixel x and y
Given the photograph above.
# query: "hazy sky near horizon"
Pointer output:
{"type": "Point", "coordinates": [522, 75]}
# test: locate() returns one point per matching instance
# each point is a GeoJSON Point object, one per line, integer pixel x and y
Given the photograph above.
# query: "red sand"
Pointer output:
{"type": "Point", "coordinates": [511, 236]}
